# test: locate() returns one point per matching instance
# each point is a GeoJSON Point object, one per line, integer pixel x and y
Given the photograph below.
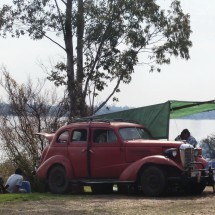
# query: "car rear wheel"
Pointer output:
{"type": "Point", "coordinates": [57, 180]}
{"type": "Point", "coordinates": [153, 181]}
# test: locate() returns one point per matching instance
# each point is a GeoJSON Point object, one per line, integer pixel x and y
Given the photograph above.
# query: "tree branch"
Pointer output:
{"type": "Point", "coordinates": [114, 90]}
{"type": "Point", "coordinates": [54, 41]}
{"type": "Point", "coordinates": [63, 2]}
{"type": "Point", "coordinates": [97, 55]}
{"type": "Point", "coordinates": [61, 20]}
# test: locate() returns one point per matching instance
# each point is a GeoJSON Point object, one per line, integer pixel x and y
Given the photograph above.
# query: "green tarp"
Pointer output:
{"type": "Point", "coordinates": [184, 108]}
{"type": "Point", "coordinates": [156, 117]}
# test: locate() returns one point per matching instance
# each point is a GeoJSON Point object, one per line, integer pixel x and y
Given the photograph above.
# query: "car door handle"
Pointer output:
{"type": "Point", "coordinates": [84, 150]}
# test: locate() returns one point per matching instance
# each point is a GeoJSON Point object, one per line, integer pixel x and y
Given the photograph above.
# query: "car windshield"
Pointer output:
{"type": "Point", "coordinates": [133, 133]}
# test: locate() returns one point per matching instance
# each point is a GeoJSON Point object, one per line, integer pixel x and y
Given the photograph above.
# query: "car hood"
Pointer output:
{"type": "Point", "coordinates": [165, 143]}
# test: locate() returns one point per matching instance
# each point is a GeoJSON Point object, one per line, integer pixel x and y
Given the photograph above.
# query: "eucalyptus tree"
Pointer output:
{"type": "Point", "coordinates": [103, 41]}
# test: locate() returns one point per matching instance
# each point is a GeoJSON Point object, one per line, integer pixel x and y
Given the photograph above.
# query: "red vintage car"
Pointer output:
{"type": "Point", "coordinates": [106, 153]}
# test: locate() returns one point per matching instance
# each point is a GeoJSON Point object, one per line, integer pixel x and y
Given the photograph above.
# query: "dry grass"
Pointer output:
{"type": "Point", "coordinates": [114, 204]}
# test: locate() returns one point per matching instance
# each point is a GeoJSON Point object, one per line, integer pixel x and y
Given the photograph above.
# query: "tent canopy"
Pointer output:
{"type": "Point", "coordinates": [156, 117]}
{"type": "Point", "coordinates": [185, 108]}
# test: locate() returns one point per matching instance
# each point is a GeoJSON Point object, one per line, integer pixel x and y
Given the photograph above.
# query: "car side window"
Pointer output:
{"type": "Point", "coordinates": [134, 133]}
{"type": "Point", "coordinates": [104, 136]}
{"type": "Point", "coordinates": [111, 136]}
{"type": "Point", "coordinates": [63, 137]}
{"type": "Point", "coordinates": [79, 135]}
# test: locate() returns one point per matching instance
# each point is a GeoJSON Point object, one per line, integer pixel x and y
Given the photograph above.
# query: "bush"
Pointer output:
{"type": "Point", "coordinates": [208, 147]}
{"type": "Point", "coordinates": [32, 109]}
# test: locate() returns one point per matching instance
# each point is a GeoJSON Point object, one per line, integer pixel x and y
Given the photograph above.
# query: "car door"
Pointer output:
{"type": "Point", "coordinates": [106, 154]}
{"type": "Point", "coordinates": [77, 150]}
{"type": "Point", "coordinates": [59, 147]}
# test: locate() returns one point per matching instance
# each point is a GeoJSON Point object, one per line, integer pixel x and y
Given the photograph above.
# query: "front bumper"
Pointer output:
{"type": "Point", "coordinates": [197, 176]}
{"type": "Point", "coordinates": [211, 177]}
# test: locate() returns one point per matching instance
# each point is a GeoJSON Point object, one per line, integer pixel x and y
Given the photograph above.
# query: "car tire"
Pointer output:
{"type": "Point", "coordinates": [57, 180]}
{"type": "Point", "coordinates": [153, 181]}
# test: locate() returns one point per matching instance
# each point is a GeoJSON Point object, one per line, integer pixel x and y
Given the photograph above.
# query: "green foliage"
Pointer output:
{"type": "Point", "coordinates": [56, 74]}
{"type": "Point", "coordinates": [103, 40]}
{"type": "Point", "coordinates": [6, 169]}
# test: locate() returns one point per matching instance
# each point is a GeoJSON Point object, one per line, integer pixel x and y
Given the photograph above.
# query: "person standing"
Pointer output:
{"type": "Point", "coordinates": [14, 182]}
{"type": "Point", "coordinates": [185, 135]}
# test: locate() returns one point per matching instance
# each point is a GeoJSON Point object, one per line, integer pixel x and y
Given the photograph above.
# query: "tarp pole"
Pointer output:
{"type": "Point", "coordinates": [168, 119]}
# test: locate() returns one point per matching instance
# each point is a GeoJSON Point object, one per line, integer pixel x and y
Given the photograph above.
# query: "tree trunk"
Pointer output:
{"type": "Point", "coordinates": [80, 72]}
{"type": "Point", "coordinates": [70, 61]}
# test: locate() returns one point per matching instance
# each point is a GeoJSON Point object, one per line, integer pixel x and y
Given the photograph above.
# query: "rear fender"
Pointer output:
{"type": "Point", "coordinates": [48, 136]}
{"type": "Point", "coordinates": [131, 172]}
{"type": "Point", "coordinates": [42, 171]}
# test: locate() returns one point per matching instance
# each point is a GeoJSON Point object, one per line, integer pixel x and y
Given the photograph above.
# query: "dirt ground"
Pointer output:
{"type": "Point", "coordinates": [116, 204]}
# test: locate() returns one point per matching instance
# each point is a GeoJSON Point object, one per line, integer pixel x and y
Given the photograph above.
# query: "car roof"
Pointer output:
{"type": "Point", "coordinates": [101, 124]}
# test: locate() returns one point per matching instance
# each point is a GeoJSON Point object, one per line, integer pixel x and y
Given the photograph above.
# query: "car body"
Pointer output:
{"type": "Point", "coordinates": [107, 153]}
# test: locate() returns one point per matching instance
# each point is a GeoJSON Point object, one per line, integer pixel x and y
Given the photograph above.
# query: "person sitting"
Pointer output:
{"type": "Point", "coordinates": [101, 137]}
{"type": "Point", "coordinates": [14, 182]}
{"type": "Point", "coordinates": [185, 135]}
{"type": "Point", "coordinates": [2, 188]}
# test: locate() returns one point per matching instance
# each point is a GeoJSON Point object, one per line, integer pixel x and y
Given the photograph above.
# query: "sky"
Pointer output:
{"type": "Point", "coordinates": [191, 80]}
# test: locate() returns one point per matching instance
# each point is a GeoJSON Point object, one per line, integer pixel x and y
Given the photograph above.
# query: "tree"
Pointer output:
{"type": "Point", "coordinates": [208, 147]}
{"type": "Point", "coordinates": [103, 40]}
{"type": "Point", "coordinates": [32, 109]}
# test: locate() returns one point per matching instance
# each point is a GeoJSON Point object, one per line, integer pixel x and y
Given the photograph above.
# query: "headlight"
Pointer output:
{"type": "Point", "coordinates": [197, 152]}
{"type": "Point", "coordinates": [171, 153]}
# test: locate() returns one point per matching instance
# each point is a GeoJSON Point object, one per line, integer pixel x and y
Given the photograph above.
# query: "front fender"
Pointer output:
{"type": "Point", "coordinates": [203, 162]}
{"type": "Point", "coordinates": [42, 171]}
{"type": "Point", "coordinates": [131, 172]}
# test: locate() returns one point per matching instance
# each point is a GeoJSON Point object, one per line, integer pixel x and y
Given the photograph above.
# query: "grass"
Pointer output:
{"type": "Point", "coordinates": [26, 197]}
{"type": "Point", "coordinates": [39, 196]}
{"type": "Point", "coordinates": [36, 197]}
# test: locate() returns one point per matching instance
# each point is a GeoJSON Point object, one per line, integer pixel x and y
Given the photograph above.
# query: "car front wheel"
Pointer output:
{"type": "Point", "coordinates": [153, 181]}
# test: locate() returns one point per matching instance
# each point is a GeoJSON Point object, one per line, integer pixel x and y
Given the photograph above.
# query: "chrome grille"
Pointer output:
{"type": "Point", "coordinates": [187, 155]}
